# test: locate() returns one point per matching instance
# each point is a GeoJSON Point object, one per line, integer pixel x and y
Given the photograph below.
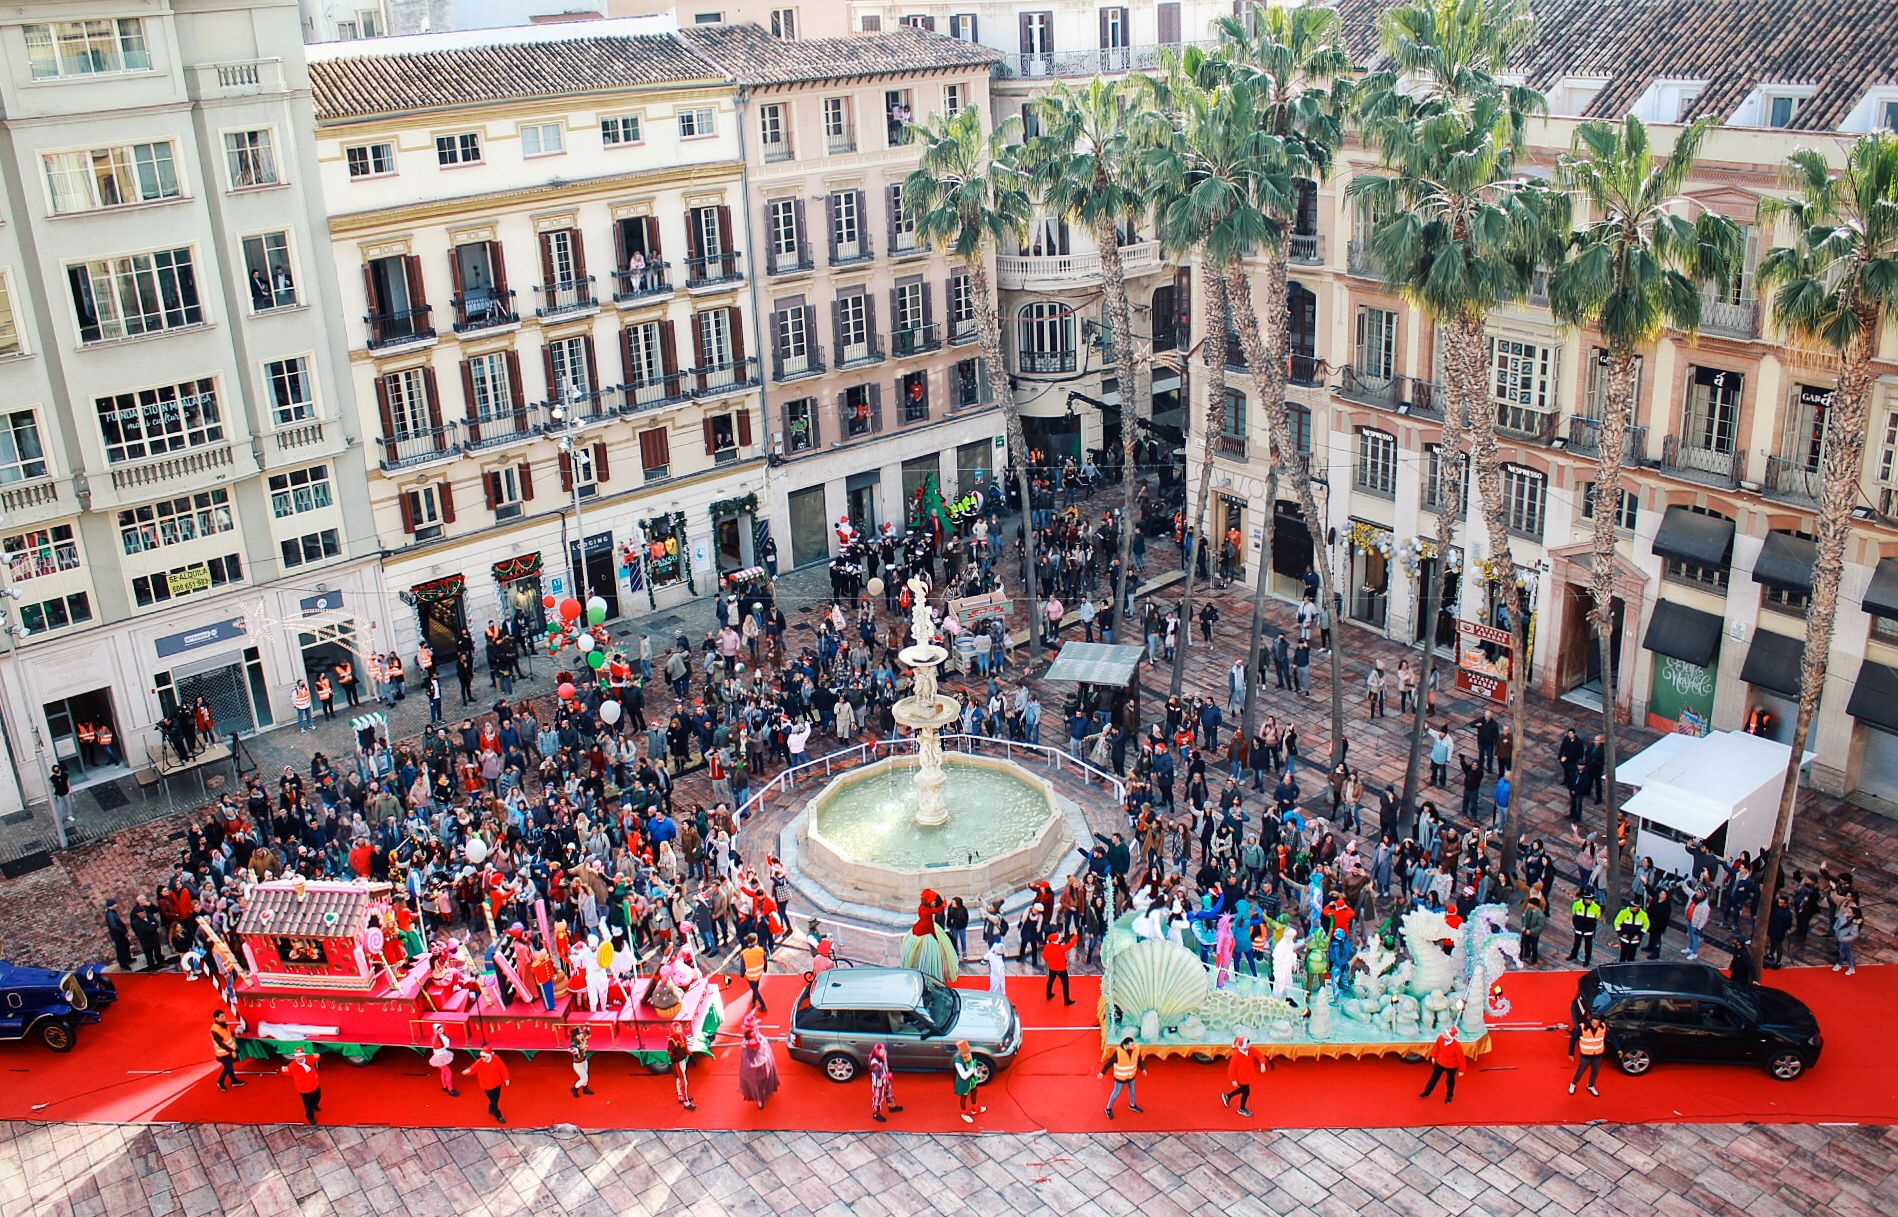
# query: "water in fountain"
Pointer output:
{"type": "Point", "coordinates": [990, 812]}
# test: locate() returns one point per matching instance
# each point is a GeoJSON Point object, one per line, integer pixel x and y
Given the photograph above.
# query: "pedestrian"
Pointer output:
{"type": "Point", "coordinates": [1535, 919]}
{"type": "Point", "coordinates": [679, 1053]}
{"type": "Point", "coordinates": [882, 1084]}
{"type": "Point", "coordinates": [1124, 1060]}
{"type": "Point", "coordinates": [490, 1073]}
{"type": "Point", "coordinates": [1699, 911]}
{"type": "Point", "coordinates": [303, 1075]}
{"type": "Point", "coordinates": [224, 1048]}
{"type": "Point", "coordinates": [998, 969]}
{"type": "Point", "coordinates": [1585, 915]}
{"type": "Point", "coordinates": [1243, 1069]}
{"type": "Point", "coordinates": [968, 1076]}
{"type": "Point", "coordinates": [1591, 1047]}
{"type": "Point", "coordinates": [1054, 954]}
{"type": "Point", "coordinates": [119, 933]}
{"type": "Point", "coordinates": [582, 1060]}
{"type": "Point", "coordinates": [1374, 691]}
{"type": "Point", "coordinates": [1845, 932]}
{"type": "Point", "coordinates": [325, 694]}
{"type": "Point", "coordinates": [757, 1066]}
{"type": "Point", "coordinates": [1631, 925]}
{"type": "Point", "coordinates": [753, 957]}
{"type": "Point", "coordinates": [300, 702]}
{"type": "Point", "coordinates": [1446, 1062]}
{"type": "Point", "coordinates": [443, 1060]}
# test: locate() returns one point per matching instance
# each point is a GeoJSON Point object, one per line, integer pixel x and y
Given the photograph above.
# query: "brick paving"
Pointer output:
{"type": "Point", "coordinates": [241, 1171]}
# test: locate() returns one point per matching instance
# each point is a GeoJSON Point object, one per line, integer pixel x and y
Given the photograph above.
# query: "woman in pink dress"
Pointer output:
{"type": "Point", "coordinates": [757, 1065]}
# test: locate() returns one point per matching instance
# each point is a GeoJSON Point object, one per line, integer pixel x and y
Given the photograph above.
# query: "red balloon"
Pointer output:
{"type": "Point", "coordinates": [570, 609]}
{"type": "Point", "coordinates": [548, 601]}
{"type": "Point", "coordinates": [566, 692]}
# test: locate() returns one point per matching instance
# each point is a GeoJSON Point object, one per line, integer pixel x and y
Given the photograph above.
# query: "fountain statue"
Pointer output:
{"type": "Point", "coordinates": [926, 711]}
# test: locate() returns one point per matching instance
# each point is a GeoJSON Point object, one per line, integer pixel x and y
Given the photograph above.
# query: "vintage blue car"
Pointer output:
{"type": "Point", "coordinates": [49, 1006]}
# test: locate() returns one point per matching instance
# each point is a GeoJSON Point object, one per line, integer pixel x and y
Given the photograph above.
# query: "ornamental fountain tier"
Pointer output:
{"type": "Point", "coordinates": [926, 711]}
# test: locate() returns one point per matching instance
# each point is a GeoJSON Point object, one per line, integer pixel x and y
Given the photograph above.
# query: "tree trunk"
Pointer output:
{"type": "Point", "coordinates": [1468, 370]}
{"type": "Point", "coordinates": [1126, 365]}
{"type": "Point", "coordinates": [1843, 466]}
{"type": "Point", "coordinates": [1253, 682]}
{"type": "Point", "coordinates": [989, 331]}
{"type": "Point", "coordinates": [1450, 465]}
{"type": "Point", "coordinates": [1213, 355]}
{"type": "Point", "coordinates": [1266, 359]}
{"type": "Point", "coordinates": [1613, 438]}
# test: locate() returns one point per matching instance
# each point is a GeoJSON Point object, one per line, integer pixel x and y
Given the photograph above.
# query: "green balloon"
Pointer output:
{"type": "Point", "coordinates": [596, 614]}
{"type": "Point", "coordinates": [553, 627]}
{"type": "Point", "coordinates": [596, 659]}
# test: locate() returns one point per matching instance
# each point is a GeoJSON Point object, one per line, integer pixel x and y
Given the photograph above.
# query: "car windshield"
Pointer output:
{"type": "Point", "coordinates": [940, 1003]}
{"type": "Point", "coordinates": [1743, 1003]}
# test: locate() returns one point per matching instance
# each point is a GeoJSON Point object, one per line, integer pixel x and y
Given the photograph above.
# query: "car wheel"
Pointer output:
{"type": "Point", "coordinates": [840, 1067]}
{"type": "Point", "coordinates": [60, 1037]}
{"type": "Point", "coordinates": [984, 1071]}
{"type": "Point", "coordinates": [1635, 1061]}
{"type": "Point", "coordinates": [1786, 1065]}
{"type": "Point", "coordinates": [658, 1066]}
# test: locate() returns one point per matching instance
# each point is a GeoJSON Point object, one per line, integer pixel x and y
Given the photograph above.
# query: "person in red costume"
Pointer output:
{"type": "Point", "coordinates": [927, 947]}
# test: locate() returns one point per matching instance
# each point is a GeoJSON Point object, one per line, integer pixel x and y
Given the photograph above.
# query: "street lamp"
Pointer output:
{"type": "Point", "coordinates": [579, 525]}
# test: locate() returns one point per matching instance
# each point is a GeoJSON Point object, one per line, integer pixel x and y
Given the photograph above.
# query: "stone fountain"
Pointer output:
{"type": "Point", "coordinates": [926, 711]}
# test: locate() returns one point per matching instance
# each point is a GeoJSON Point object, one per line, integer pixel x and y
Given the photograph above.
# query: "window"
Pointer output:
{"type": "Point", "coordinates": [645, 359]}
{"type": "Point", "coordinates": [21, 457]}
{"type": "Point", "coordinates": [838, 136]}
{"type": "Point", "coordinates": [902, 223]}
{"type": "Point", "coordinates": [111, 177]}
{"type": "Point", "coordinates": [42, 551]}
{"type": "Point", "coordinates": [462, 149]}
{"type": "Point", "coordinates": [310, 547]}
{"type": "Point", "coordinates": [1595, 397]}
{"type": "Point", "coordinates": [1377, 462]}
{"type": "Point", "coordinates": [962, 27]}
{"type": "Point", "coordinates": [424, 511]}
{"type": "Point", "coordinates": [369, 160]}
{"type": "Point", "coordinates": [1298, 422]}
{"type": "Point", "coordinates": [794, 341]}
{"type": "Point", "coordinates": [1625, 511]}
{"type": "Point", "coordinates": [897, 115]}
{"type": "Point", "coordinates": [772, 136]}
{"type": "Point", "coordinates": [961, 306]}
{"type": "Point", "coordinates": [409, 413]}
{"type": "Point", "coordinates": [9, 329]}
{"type": "Point", "coordinates": [542, 139]}
{"type": "Point", "coordinates": [1522, 384]}
{"type": "Point", "coordinates": [1780, 109]}
{"type": "Point", "coordinates": [1712, 577]}
{"type": "Point", "coordinates": [134, 294]}
{"type": "Point", "coordinates": [187, 580]}
{"type": "Point", "coordinates": [300, 490]}
{"type": "Point", "coordinates": [187, 518]}
{"type": "Point", "coordinates": [655, 453]}
{"type": "Point", "coordinates": [909, 323]}
{"type": "Point", "coordinates": [698, 123]}
{"type": "Point", "coordinates": [1524, 494]}
{"type": "Point", "coordinates": [784, 23]}
{"type": "Point", "coordinates": [721, 438]}
{"type": "Point", "coordinates": [1376, 353]}
{"type": "Point", "coordinates": [570, 375]}
{"type": "Point", "coordinates": [715, 337]}
{"type": "Point", "coordinates": [800, 425]}
{"type": "Point", "coordinates": [954, 97]}
{"type": "Point", "coordinates": [853, 329]}
{"type": "Point", "coordinates": [1713, 410]}
{"type": "Point", "coordinates": [846, 224]}
{"type": "Point", "coordinates": [55, 613]}
{"type": "Point", "coordinates": [972, 383]}
{"type": "Point", "coordinates": [490, 390]}
{"type": "Point", "coordinates": [267, 271]}
{"type": "Point", "coordinates": [86, 48]}
{"type": "Point", "coordinates": [1046, 335]}
{"type": "Point", "coordinates": [710, 18]}
{"type": "Point", "coordinates": [783, 232]}
{"type": "Point", "coordinates": [580, 466]}
{"type": "Point", "coordinates": [504, 492]}
{"type": "Point", "coordinates": [250, 159]}
{"type": "Point", "coordinates": [290, 398]}
{"type": "Point", "coordinates": [859, 410]}
{"type": "Point", "coordinates": [1232, 424]}
{"type": "Point", "coordinates": [151, 422]}
{"type": "Point", "coordinates": [1890, 123]}
{"type": "Point", "coordinates": [619, 129]}
{"type": "Point", "coordinates": [1433, 482]}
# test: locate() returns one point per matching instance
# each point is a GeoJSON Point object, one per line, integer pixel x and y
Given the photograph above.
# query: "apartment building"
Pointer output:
{"type": "Point", "coordinates": [344, 20]}
{"type": "Point", "coordinates": [1718, 500]}
{"type": "Point", "coordinates": [181, 515]}
{"type": "Point", "coordinates": [873, 379]}
{"type": "Point", "coordinates": [545, 251]}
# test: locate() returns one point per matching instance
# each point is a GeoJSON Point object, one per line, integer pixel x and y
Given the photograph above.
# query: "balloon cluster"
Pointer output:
{"type": "Point", "coordinates": [567, 629]}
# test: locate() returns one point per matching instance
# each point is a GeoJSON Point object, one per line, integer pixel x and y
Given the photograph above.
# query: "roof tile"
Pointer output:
{"type": "Point", "coordinates": [754, 57]}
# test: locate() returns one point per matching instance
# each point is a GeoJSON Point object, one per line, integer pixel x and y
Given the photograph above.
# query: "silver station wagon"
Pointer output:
{"type": "Point", "coordinates": [844, 1011]}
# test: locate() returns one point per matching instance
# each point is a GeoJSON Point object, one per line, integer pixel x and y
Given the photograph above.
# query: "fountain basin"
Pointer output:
{"type": "Point", "coordinates": [858, 838]}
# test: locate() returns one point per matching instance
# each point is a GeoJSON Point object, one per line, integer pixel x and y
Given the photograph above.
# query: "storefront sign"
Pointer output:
{"type": "Point", "coordinates": [1483, 660]}
{"type": "Point", "coordinates": [203, 636]}
{"type": "Point", "coordinates": [190, 579]}
{"type": "Point", "coordinates": [1819, 399]}
{"type": "Point", "coordinates": [322, 602]}
{"type": "Point", "coordinates": [1680, 698]}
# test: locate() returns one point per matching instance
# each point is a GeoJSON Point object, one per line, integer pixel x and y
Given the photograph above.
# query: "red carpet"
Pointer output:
{"type": "Point", "coordinates": [150, 1061]}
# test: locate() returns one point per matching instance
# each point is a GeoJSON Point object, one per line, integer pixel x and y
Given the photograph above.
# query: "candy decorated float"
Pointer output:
{"type": "Point", "coordinates": [338, 967]}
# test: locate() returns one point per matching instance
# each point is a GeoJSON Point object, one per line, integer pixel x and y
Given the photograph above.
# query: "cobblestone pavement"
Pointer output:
{"type": "Point", "coordinates": [1670, 1170]}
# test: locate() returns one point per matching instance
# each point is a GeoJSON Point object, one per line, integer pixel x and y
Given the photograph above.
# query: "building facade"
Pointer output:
{"type": "Point", "coordinates": [1719, 495]}
{"type": "Point", "coordinates": [183, 516]}
{"type": "Point", "coordinates": [873, 380]}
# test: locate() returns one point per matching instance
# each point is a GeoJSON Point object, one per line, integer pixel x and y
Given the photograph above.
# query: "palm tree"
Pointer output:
{"type": "Point", "coordinates": [969, 197]}
{"type": "Point", "coordinates": [1295, 60]}
{"type": "Point", "coordinates": [1462, 234]}
{"type": "Point", "coordinates": [1833, 287]}
{"type": "Point", "coordinates": [1084, 167]}
{"type": "Point", "coordinates": [1636, 268]}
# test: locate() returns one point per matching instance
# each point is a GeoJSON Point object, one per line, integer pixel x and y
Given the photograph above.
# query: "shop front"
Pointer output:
{"type": "Point", "coordinates": [810, 526]}
{"type": "Point", "coordinates": [441, 613]}
{"type": "Point", "coordinates": [219, 663]}
{"type": "Point", "coordinates": [1419, 560]}
{"type": "Point", "coordinates": [518, 590]}
{"type": "Point", "coordinates": [593, 572]}
{"type": "Point", "coordinates": [1685, 643]}
{"type": "Point", "coordinates": [975, 465]}
{"type": "Point", "coordinates": [668, 575]}
{"type": "Point", "coordinates": [73, 726]}
{"type": "Point", "coordinates": [1371, 546]}
{"type": "Point", "coordinates": [1292, 551]}
{"type": "Point", "coordinates": [860, 500]}
{"type": "Point", "coordinates": [1875, 705]}
{"type": "Point", "coordinates": [1230, 528]}
{"type": "Point", "coordinates": [737, 541]}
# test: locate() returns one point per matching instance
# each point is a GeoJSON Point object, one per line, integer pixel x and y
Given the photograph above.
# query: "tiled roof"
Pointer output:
{"type": "Point", "coordinates": [327, 910]}
{"type": "Point", "coordinates": [1841, 47]}
{"type": "Point", "coordinates": [754, 57]}
{"type": "Point", "coordinates": [357, 86]}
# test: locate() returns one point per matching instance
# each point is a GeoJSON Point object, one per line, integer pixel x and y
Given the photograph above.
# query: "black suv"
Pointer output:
{"type": "Point", "coordinates": [1691, 1012]}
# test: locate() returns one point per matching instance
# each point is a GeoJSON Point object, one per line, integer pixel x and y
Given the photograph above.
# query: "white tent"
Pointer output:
{"type": "Point", "coordinates": [1693, 787]}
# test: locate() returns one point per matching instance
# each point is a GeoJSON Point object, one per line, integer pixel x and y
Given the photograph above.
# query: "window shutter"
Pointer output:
{"type": "Point", "coordinates": [579, 257]}
{"type": "Point", "coordinates": [668, 349]}
{"type": "Point", "coordinates": [889, 213]}
{"type": "Point", "coordinates": [515, 391]}
{"type": "Point", "coordinates": [870, 322]}
{"type": "Point", "coordinates": [725, 232]}
{"type": "Point", "coordinates": [619, 244]}
{"type": "Point", "coordinates": [836, 331]}
{"type": "Point", "coordinates": [777, 346]}
{"type": "Point", "coordinates": [735, 324]}
{"type": "Point", "coordinates": [876, 407]}
{"type": "Point", "coordinates": [896, 316]}
{"type": "Point", "coordinates": [830, 222]}
{"type": "Point", "coordinates": [383, 408]}
{"type": "Point", "coordinates": [655, 449]}
{"type": "Point", "coordinates": [593, 366]}
{"type": "Point", "coordinates": [864, 245]}
{"type": "Point", "coordinates": [497, 262]}
{"type": "Point", "coordinates": [1169, 22]}
{"type": "Point", "coordinates": [1183, 308]}
{"type": "Point", "coordinates": [454, 269]}
{"type": "Point", "coordinates": [929, 307]}
{"type": "Point", "coordinates": [872, 25]}
{"type": "Point", "coordinates": [698, 348]}
{"type": "Point", "coordinates": [652, 240]}
{"type": "Point", "coordinates": [1103, 14]}
{"type": "Point", "coordinates": [547, 259]}
{"type": "Point", "coordinates": [626, 371]}
{"type": "Point", "coordinates": [566, 472]}
{"type": "Point", "coordinates": [694, 233]}
{"type": "Point", "coordinates": [711, 446]}
{"type": "Point", "coordinates": [817, 437]}
{"type": "Point", "coordinates": [744, 427]}
{"type": "Point", "coordinates": [929, 23]}
{"type": "Point", "coordinates": [406, 501]}
{"type": "Point", "coordinates": [527, 481]}
{"type": "Point", "coordinates": [434, 397]}
{"type": "Point", "coordinates": [1027, 37]}
{"type": "Point", "coordinates": [445, 495]}
{"type": "Point", "coordinates": [418, 295]}
{"type": "Point", "coordinates": [491, 488]}
{"type": "Point", "coordinates": [468, 394]}
{"type": "Point", "coordinates": [547, 366]}
{"type": "Point", "coordinates": [601, 471]}
{"type": "Point", "coordinates": [369, 292]}
{"type": "Point", "coordinates": [803, 239]}
{"type": "Point", "coordinates": [974, 28]}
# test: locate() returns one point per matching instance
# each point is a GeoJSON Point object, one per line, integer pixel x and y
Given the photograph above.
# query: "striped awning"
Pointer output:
{"type": "Point", "coordinates": [369, 722]}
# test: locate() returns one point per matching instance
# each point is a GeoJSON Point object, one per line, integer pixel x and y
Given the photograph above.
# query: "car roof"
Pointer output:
{"type": "Point", "coordinates": [1657, 976]}
{"type": "Point", "coordinates": [867, 989]}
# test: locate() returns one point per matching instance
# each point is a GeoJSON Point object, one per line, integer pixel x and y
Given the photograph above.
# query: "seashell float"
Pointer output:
{"type": "Point", "coordinates": [1160, 978]}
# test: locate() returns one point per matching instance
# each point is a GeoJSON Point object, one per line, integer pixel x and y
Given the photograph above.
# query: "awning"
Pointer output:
{"type": "Point", "coordinates": [1881, 598]}
{"type": "Point", "coordinates": [1875, 695]}
{"type": "Point", "coordinates": [1689, 536]}
{"type": "Point", "coordinates": [1772, 662]}
{"type": "Point", "coordinates": [1786, 562]}
{"type": "Point", "coordinates": [1097, 663]}
{"type": "Point", "coordinates": [1684, 633]}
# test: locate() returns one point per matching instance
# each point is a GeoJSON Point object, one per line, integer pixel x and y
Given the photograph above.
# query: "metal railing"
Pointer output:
{"type": "Point", "coordinates": [564, 296]}
{"type": "Point", "coordinates": [1584, 437]}
{"type": "Point", "coordinates": [1042, 362]}
{"type": "Point", "coordinates": [1792, 478]}
{"type": "Point", "coordinates": [724, 377]}
{"type": "Point", "coordinates": [903, 242]}
{"type": "Point", "coordinates": [393, 329]}
{"type": "Point", "coordinates": [860, 354]}
{"type": "Point", "coordinates": [1522, 422]}
{"type": "Point", "coordinates": [418, 447]}
{"type": "Point", "coordinates": [1015, 271]}
{"type": "Point", "coordinates": [786, 366]}
{"type": "Point", "coordinates": [915, 341]}
{"type": "Point", "coordinates": [777, 151]}
{"type": "Point", "coordinates": [1738, 319]}
{"type": "Point", "coordinates": [1305, 249]}
{"type": "Point", "coordinates": [1709, 465]}
{"type": "Point", "coordinates": [707, 269]}
{"type": "Point", "coordinates": [1306, 370]}
{"type": "Point", "coordinates": [491, 430]}
{"type": "Point", "coordinates": [663, 389]}
{"type": "Point", "coordinates": [650, 281]}
{"type": "Point", "coordinates": [484, 310]}
{"type": "Point", "coordinates": [840, 145]}
{"type": "Point", "coordinates": [1226, 444]}
{"type": "Point", "coordinates": [575, 409]}
{"type": "Point", "coordinates": [1374, 481]}
{"type": "Point", "coordinates": [963, 331]}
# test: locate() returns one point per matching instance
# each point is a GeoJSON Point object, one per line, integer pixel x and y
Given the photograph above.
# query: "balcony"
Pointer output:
{"type": "Point", "coordinates": [1308, 370]}
{"type": "Point", "coordinates": [1087, 63]}
{"type": "Point", "coordinates": [1584, 438]}
{"type": "Point", "coordinates": [1520, 422]}
{"type": "Point", "coordinates": [1234, 446]}
{"type": "Point", "coordinates": [564, 296]}
{"type": "Point", "coordinates": [644, 284]}
{"type": "Point", "coordinates": [503, 426]}
{"type": "Point", "coordinates": [1709, 466]}
{"type": "Point", "coordinates": [1792, 479]}
{"type": "Point", "coordinates": [903, 244]}
{"type": "Point", "coordinates": [235, 78]}
{"type": "Point", "coordinates": [1045, 363]}
{"type": "Point", "coordinates": [578, 410]}
{"type": "Point", "coordinates": [728, 377]}
{"type": "Point", "coordinates": [1018, 272]}
{"type": "Point", "coordinates": [655, 392]}
{"type": "Point", "coordinates": [1413, 396]}
{"type": "Point", "coordinates": [399, 328]}
{"type": "Point", "coordinates": [1305, 249]}
{"type": "Point", "coordinates": [1360, 261]}
{"type": "Point", "coordinates": [789, 261]}
{"type": "Point", "coordinates": [964, 331]}
{"type": "Point", "coordinates": [852, 252]}
{"type": "Point", "coordinates": [17, 498]}
{"type": "Point", "coordinates": [418, 447]}
{"type": "Point", "coordinates": [307, 434]}
{"type": "Point", "coordinates": [1739, 319]}
{"type": "Point", "coordinates": [710, 270]}
{"type": "Point", "coordinates": [786, 366]}
{"type": "Point", "coordinates": [177, 466]}
{"type": "Point", "coordinates": [777, 151]}
{"type": "Point", "coordinates": [917, 340]}
{"type": "Point", "coordinates": [859, 354]}
{"type": "Point", "coordinates": [486, 311]}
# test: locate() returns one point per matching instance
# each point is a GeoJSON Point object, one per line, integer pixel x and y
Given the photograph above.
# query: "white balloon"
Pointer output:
{"type": "Point", "coordinates": [609, 712]}
{"type": "Point", "coordinates": [875, 586]}
{"type": "Point", "coordinates": [476, 850]}
{"type": "Point", "coordinates": [596, 604]}
{"type": "Point", "coordinates": [584, 642]}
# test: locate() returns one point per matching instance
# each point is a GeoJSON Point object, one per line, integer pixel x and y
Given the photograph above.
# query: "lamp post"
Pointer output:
{"type": "Point", "coordinates": [568, 450]}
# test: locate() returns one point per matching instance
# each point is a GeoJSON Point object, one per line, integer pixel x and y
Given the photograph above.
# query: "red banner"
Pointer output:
{"type": "Point", "coordinates": [1484, 660]}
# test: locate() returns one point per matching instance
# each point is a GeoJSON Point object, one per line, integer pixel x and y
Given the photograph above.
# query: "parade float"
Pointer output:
{"type": "Point", "coordinates": [339, 967]}
{"type": "Point", "coordinates": [1188, 981]}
